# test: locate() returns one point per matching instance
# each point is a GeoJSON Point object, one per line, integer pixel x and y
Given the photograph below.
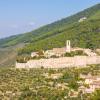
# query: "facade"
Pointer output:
{"type": "Point", "coordinates": [49, 53]}
{"type": "Point", "coordinates": [55, 52]}
{"type": "Point", "coordinates": [68, 46]}
{"type": "Point", "coordinates": [59, 52]}
{"type": "Point", "coordinates": [82, 19]}
{"type": "Point", "coordinates": [34, 54]}
{"type": "Point", "coordinates": [89, 52]}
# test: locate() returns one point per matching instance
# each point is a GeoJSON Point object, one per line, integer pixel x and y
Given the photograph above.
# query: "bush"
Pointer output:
{"type": "Point", "coordinates": [74, 53]}
{"type": "Point", "coordinates": [23, 59]}
{"type": "Point", "coordinates": [54, 56]}
{"type": "Point", "coordinates": [79, 52]}
{"type": "Point", "coordinates": [69, 54]}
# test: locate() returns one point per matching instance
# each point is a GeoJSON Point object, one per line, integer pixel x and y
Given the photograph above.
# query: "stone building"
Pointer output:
{"type": "Point", "coordinates": [68, 46]}
{"type": "Point", "coordinates": [34, 54]}
{"type": "Point", "coordinates": [56, 58]}
{"type": "Point", "coordinates": [82, 19]}
{"type": "Point", "coordinates": [55, 52]}
{"type": "Point", "coordinates": [58, 51]}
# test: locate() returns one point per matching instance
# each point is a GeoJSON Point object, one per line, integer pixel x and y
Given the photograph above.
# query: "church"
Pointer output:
{"type": "Point", "coordinates": [58, 51]}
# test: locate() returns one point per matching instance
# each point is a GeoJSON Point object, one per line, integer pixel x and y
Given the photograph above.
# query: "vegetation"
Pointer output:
{"type": "Point", "coordinates": [23, 59]}
{"type": "Point", "coordinates": [38, 84]}
{"type": "Point", "coordinates": [58, 27]}
{"type": "Point", "coordinates": [81, 35]}
{"type": "Point", "coordinates": [85, 34]}
{"type": "Point", "coordinates": [75, 53]}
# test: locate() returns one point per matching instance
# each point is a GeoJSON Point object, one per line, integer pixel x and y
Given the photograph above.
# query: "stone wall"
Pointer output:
{"type": "Point", "coordinates": [60, 62]}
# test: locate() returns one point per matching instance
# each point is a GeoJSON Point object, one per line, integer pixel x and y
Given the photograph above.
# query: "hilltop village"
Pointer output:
{"type": "Point", "coordinates": [61, 58]}
{"type": "Point", "coordinates": [57, 61]}
{"type": "Point", "coordinates": [81, 78]}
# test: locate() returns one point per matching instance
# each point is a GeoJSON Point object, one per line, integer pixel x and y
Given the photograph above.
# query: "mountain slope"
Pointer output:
{"type": "Point", "coordinates": [54, 27]}
{"type": "Point", "coordinates": [85, 34]}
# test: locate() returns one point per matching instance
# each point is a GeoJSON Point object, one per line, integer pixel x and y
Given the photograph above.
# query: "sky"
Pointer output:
{"type": "Point", "coordinates": [20, 16]}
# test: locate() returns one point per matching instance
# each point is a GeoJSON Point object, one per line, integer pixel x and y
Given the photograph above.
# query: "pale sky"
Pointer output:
{"type": "Point", "coordinates": [19, 16]}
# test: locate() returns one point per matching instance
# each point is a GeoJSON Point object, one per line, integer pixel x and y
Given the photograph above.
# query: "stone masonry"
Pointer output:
{"type": "Point", "coordinates": [62, 62]}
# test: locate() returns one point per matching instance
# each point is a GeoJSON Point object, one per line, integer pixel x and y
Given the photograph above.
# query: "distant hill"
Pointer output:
{"type": "Point", "coordinates": [85, 34]}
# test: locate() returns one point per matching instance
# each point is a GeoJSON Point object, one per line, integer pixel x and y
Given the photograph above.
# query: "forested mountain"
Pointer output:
{"type": "Point", "coordinates": [84, 34]}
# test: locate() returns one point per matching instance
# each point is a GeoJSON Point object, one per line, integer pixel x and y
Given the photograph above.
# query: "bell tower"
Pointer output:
{"type": "Point", "coordinates": [68, 46]}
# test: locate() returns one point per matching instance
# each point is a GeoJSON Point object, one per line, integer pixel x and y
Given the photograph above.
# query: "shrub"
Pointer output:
{"type": "Point", "coordinates": [69, 54]}
{"type": "Point", "coordinates": [23, 59]}
{"type": "Point", "coordinates": [74, 53]}
{"type": "Point", "coordinates": [79, 52]}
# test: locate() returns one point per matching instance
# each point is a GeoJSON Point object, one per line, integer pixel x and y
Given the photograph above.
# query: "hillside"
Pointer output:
{"type": "Point", "coordinates": [54, 27]}
{"type": "Point", "coordinates": [48, 84]}
{"type": "Point", "coordinates": [85, 34]}
{"type": "Point", "coordinates": [6, 56]}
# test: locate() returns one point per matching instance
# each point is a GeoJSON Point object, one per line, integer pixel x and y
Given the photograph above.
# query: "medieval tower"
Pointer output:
{"type": "Point", "coordinates": [68, 46]}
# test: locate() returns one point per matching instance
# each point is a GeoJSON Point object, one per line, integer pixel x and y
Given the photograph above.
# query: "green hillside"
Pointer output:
{"type": "Point", "coordinates": [55, 27]}
{"type": "Point", "coordinates": [85, 34]}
